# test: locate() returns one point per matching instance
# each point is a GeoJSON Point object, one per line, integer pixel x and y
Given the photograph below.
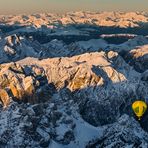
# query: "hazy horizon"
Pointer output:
{"type": "Point", "coordinates": [63, 6]}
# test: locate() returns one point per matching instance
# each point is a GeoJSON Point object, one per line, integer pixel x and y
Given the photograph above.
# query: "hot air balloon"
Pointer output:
{"type": "Point", "coordinates": [139, 108]}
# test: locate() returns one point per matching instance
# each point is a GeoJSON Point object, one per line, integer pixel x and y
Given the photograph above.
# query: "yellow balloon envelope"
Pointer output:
{"type": "Point", "coordinates": [139, 108]}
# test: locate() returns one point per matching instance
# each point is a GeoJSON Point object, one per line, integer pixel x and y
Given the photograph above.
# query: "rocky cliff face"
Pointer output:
{"type": "Point", "coordinates": [22, 83]}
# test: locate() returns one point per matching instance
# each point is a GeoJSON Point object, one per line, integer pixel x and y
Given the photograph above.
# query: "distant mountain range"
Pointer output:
{"type": "Point", "coordinates": [116, 19]}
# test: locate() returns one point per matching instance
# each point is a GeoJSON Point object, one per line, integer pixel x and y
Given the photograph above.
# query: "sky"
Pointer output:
{"type": "Point", "coordinates": [62, 6]}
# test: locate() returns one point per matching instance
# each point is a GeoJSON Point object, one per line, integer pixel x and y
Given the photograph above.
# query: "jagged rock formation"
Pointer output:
{"type": "Point", "coordinates": [21, 83]}
{"type": "Point", "coordinates": [79, 72]}
{"type": "Point", "coordinates": [140, 58]}
{"type": "Point", "coordinates": [16, 47]}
